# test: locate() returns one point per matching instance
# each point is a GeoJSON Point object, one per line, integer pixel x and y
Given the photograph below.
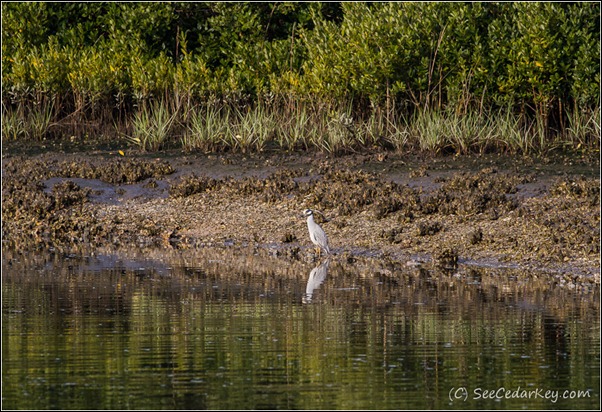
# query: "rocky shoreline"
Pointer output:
{"type": "Point", "coordinates": [541, 215]}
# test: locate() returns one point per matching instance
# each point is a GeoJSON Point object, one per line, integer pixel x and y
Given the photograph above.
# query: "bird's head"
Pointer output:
{"type": "Point", "coordinates": [308, 212]}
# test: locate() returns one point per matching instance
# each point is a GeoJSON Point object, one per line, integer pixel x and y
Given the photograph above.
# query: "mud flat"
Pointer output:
{"type": "Point", "coordinates": [538, 215]}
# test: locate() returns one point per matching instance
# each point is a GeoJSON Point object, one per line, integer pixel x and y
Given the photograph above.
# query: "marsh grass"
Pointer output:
{"type": "Point", "coordinates": [373, 130]}
{"type": "Point", "coordinates": [298, 129]}
{"type": "Point", "coordinates": [508, 132]}
{"type": "Point", "coordinates": [334, 130]}
{"type": "Point", "coordinates": [39, 120]}
{"type": "Point", "coordinates": [152, 125]}
{"type": "Point", "coordinates": [583, 127]}
{"type": "Point", "coordinates": [252, 129]}
{"type": "Point", "coordinates": [501, 130]}
{"type": "Point", "coordinates": [470, 132]}
{"type": "Point", "coordinates": [31, 123]}
{"type": "Point", "coordinates": [207, 129]}
{"type": "Point", "coordinates": [244, 126]}
{"type": "Point", "coordinates": [381, 130]}
{"type": "Point", "coordinates": [341, 133]}
{"type": "Point", "coordinates": [428, 129]}
{"type": "Point", "coordinates": [13, 124]}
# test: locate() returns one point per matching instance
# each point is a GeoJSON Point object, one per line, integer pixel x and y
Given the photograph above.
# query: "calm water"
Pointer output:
{"type": "Point", "coordinates": [225, 330]}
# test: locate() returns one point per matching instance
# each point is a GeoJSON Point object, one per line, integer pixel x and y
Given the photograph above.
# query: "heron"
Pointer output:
{"type": "Point", "coordinates": [316, 233]}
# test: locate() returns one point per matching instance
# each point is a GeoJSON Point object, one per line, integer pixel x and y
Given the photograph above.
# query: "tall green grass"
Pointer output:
{"type": "Point", "coordinates": [299, 128]}
{"type": "Point", "coordinates": [252, 129]}
{"type": "Point", "coordinates": [32, 123]}
{"type": "Point", "coordinates": [13, 124]}
{"type": "Point", "coordinates": [334, 130]}
{"type": "Point", "coordinates": [208, 129]}
{"type": "Point", "coordinates": [152, 126]}
{"type": "Point", "coordinates": [583, 128]}
{"type": "Point", "coordinates": [293, 125]}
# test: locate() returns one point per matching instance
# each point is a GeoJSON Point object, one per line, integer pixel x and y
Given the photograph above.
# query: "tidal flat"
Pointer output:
{"type": "Point", "coordinates": [483, 211]}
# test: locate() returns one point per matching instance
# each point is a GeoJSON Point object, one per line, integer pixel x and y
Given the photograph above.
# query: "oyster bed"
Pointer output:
{"type": "Point", "coordinates": [486, 211]}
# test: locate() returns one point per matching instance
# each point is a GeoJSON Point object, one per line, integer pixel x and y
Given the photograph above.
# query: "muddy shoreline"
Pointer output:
{"type": "Point", "coordinates": [539, 215]}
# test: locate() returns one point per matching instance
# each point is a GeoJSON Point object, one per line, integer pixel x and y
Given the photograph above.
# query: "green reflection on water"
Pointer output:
{"type": "Point", "coordinates": [230, 335]}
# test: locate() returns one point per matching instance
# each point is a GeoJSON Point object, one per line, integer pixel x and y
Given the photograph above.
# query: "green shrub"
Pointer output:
{"type": "Point", "coordinates": [448, 66]}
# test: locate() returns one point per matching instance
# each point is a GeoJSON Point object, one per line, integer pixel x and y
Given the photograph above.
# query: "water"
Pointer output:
{"type": "Point", "coordinates": [223, 329]}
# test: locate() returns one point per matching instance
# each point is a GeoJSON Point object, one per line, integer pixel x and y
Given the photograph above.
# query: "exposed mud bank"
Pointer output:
{"type": "Point", "coordinates": [493, 211]}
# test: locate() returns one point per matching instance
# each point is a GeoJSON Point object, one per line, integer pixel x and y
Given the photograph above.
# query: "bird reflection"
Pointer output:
{"type": "Point", "coordinates": [316, 277]}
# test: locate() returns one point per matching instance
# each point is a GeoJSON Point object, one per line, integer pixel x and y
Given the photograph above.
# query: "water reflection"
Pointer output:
{"type": "Point", "coordinates": [316, 277]}
{"type": "Point", "coordinates": [221, 329]}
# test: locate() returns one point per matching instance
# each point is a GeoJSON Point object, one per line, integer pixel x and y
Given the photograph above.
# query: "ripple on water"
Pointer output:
{"type": "Point", "coordinates": [219, 329]}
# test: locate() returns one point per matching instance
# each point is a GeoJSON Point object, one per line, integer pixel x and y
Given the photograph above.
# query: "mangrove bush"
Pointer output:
{"type": "Point", "coordinates": [333, 76]}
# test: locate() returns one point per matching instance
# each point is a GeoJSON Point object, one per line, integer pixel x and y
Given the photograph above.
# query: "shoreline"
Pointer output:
{"type": "Point", "coordinates": [485, 211]}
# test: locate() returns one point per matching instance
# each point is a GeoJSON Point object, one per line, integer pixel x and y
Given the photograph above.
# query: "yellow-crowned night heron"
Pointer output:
{"type": "Point", "coordinates": [316, 233]}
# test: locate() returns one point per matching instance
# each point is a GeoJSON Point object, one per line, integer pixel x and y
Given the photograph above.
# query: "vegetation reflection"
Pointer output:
{"type": "Point", "coordinates": [220, 335]}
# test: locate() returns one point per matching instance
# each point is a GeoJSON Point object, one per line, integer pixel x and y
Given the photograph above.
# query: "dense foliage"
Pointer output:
{"type": "Point", "coordinates": [542, 59]}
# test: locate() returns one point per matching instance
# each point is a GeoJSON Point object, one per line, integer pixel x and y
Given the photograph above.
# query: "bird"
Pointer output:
{"type": "Point", "coordinates": [316, 233]}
